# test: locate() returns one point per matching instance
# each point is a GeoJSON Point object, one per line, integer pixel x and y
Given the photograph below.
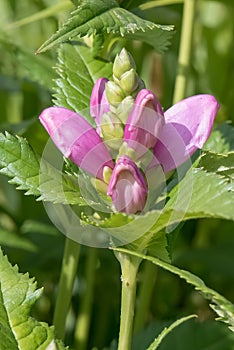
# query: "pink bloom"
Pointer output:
{"type": "Point", "coordinates": [77, 140]}
{"type": "Point", "coordinates": [173, 136]}
{"type": "Point", "coordinates": [144, 123]}
{"type": "Point", "coordinates": [127, 187]}
{"type": "Point", "coordinates": [98, 102]}
{"type": "Point", "coordinates": [187, 126]}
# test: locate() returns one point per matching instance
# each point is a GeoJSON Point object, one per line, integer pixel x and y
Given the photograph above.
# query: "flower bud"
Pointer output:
{"type": "Point", "coordinates": [114, 93]}
{"type": "Point", "coordinates": [129, 81]}
{"type": "Point", "coordinates": [127, 187]}
{"type": "Point", "coordinates": [123, 62]}
{"type": "Point", "coordinates": [124, 108]}
{"type": "Point", "coordinates": [112, 130]}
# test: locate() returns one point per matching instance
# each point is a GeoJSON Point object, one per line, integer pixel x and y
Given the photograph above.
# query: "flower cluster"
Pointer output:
{"type": "Point", "coordinates": [130, 125]}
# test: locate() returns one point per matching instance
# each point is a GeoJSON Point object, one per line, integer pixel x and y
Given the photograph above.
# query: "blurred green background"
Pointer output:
{"type": "Point", "coordinates": [205, 247]}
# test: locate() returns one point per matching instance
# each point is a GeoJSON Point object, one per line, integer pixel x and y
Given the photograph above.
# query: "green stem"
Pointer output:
{"type": "Point", "coordinates": [67, 276]}
{"type": "Point", "coordinates": [157, 3]}
{"type": "Point", "coordinates": [145, 295]}
{"type": "Point", "coordinates": [129, 268]}
{"type": "Point", "coordinates": [185, 49]}
{"type": "Point", "coordinates": [83, 321]}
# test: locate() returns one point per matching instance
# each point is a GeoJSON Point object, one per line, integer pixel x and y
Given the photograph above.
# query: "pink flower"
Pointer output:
{"type": "Point", "coordinates": [98, 102]}
{"type": "Point", "coordinates": [173, 137]}
{"type": "Point", "coordinates": [127, 187]}
{"type": "Point", "coordinates": [77, 140]}
{"type": "Point", "coordinates": [144, 123]}
{"type": "Point", "coordinates": [188, 125]}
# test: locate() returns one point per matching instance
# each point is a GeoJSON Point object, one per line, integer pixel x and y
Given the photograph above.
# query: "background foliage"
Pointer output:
{"type": "Point", "coordinates": [204, 247]}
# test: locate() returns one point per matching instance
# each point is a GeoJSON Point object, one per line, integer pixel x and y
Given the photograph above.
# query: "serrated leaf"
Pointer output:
{"type": "Point", "coordinates": [168, 330]}
{"type": "Point", "coordinates": [223, 307]}
{"type": "Point", "coordinates": [78, 71]}
{"type": "Point", "coordinates": [198, 195]}
{"type": "Point", "coordinates": [35, 176]}
{"type": "Point", "coordinates": [221, 139]}
{"type": "Point", "coordinates": [222, 164]}
{"type": "Point", "coordinates": [18, 330]}
{"type": "Point", "coordinates": [158, 39]}
{"type": "Point", "coordinates": [100, 17]}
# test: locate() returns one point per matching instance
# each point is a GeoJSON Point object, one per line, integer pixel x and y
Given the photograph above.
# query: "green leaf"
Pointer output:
{"type": "Point", "coordinates": [207, 335]}
{"type": "Point", "coordinates": [222, 164]}
{"type": "Point", "coordinates": [78, 71]}
{"type": "Point", "coordinates": [198, 195]}
{"type": "Point", "coordinates": [14, 240]}
{"type": "Point", "coordinates": [101, 17]}
{"type": "Point", "coordinates": [36, 177]}
{"type": "Point", "coordinates": [159, 39]}
{"type": "Point", "coordinates": [223, 307]}
{"type": "Point", "coordinates": [18, 330]}
{"type": "Point", "coordinates": [168, 330]}
{"type": "Point", "coordinates": [221, 139]}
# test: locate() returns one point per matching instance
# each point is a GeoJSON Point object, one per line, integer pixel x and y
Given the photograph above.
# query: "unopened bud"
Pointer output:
{"type": "Point", "coordinates": [124, 108]}
{"type": "Point", "coordinates": [129, 81]}
{"type": "Point", "coordinates": [123, 62]}
{"type": "Point", "coordinates": [114, 93]}
{"type": "Point", "coordinates": [107, 172]}
{"type": "Point", "coordinates": [112, 131]}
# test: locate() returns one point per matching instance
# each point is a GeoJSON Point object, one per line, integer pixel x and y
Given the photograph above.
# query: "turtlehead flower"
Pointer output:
{"type": "Point", "coordinates": [77, 140]}
{"type": "Point", "coordinates": [144, 123]}
{"type": "Point", "coordinates": [127, 187]}
{"type": "Point", "coordinates": [188, 125]}
{"type": "Point", "coordinates": [140, 125]}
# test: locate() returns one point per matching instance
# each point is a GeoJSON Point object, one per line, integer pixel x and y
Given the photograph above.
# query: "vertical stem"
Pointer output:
{"type": "Point", "coordinates": [129, 268]}
{"type": "Point", "coordinates": [83, 321]}
{"type": "Point", "coordinates": [185, 49]}
{"type": "Point", "coordinates": [145, 294]}
{"type": "Point", "coordinates": [67, 276]}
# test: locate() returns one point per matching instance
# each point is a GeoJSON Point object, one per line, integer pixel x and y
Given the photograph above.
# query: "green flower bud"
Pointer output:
{"type": "Point", "coordinates": [125, 150]}
{"type": "Point", "coordinates": [107, 172]}
{"type": "Point", "coordinates": [124, 108]}
{"type": "Point", "coordinates": [129, 81]}
{"type": "Point", "coordinates": [122, 63]}
{"type": "Point", "coordinates": [112, 130]}
{"type": "Point", "coordinates": [114, 93]}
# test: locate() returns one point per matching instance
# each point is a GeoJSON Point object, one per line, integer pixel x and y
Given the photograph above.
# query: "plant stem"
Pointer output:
{"type": "Point", "coordinates": [145, 294]}
{"type": "Point", "coordinates": [129, 268]}
{"type": "Point", "coordinates": [67, 276]}
{"type": "Point", "coordinates": [157, 3]}
{"type": "Point", "coordinates": [184, 50]}
{"type": "Point", "coordinates": [83, 321]}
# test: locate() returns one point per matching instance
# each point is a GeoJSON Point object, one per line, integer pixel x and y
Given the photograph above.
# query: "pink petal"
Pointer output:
{"type": "Point", "coordinates": [76, 139]}
{"type": "Point", "coordinates": [127, 187]}
{"type": "Point", "coordinates": [98, 102]}
{"type": "Point", "coordinates": [145, 122]}
{"type": "Point", "coordinates": [188, 126]}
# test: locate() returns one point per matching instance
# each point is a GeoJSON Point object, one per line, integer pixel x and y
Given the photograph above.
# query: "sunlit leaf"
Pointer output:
{"type": "Point", "coordinates": [33, 175]}
{"type": "Point", "coordinates": [78, 71]}
{"type": "Point", "coordinates": [102, 17]}
{"type": "Point", "coordinates": [18, 330]}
